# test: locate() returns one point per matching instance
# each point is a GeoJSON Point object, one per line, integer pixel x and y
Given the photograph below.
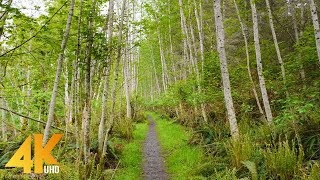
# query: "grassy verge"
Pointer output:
{"type": "Point", "coordinates": [131, 158]}
{"type": "Point", "coordinates": [181, 158]}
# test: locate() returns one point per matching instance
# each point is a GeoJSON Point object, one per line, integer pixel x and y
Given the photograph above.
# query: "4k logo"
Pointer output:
{"type": "Point", "coordinates": [22, 158]}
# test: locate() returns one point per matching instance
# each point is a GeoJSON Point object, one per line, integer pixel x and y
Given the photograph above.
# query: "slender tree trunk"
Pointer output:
{"type": "Point", "coordinates": [127, 90]}
{"type": "Point", "coordinates": [86, 119]}
{"type": "Point", "coordinates": [58, 74]}
{"type": "Point", "coordinates": [302, 71]}
{"type": "Point", "coordinates": [264, 92]}
{"type": "Point", "coordinates": [296, 35]}
{"type": "Point", "coordinates": [151, 87]}
{"type": "Point", "coordinates": [3, 120]}
{"type": "Point", "coordinates": [254, 89]}
{"type": "Point", "coordinates": [201, 42]}
{"type": "Point", "coordinates": [67, 101]}
{"type": "Point", "coordinates": [165, 77]}
{"type": "Point", "coordinates": [315, 20]}
{"type": "Point", "coordinates": [171, 47]}
{"type": "Point", "coordinates": [126, 76]}
{"type": "Point", "coordinates": [155, 72]}
{"type": "Point", "coordinates": [191, 45]}
{"type": "Point", "coordinates": [224, 70]}
{"type": "Point", "coordinates": [185, 33]}
{"type": "Point", "coordinates": [13, 122]}
{"type": "Point", "coordinates": [198, 76]}
{"type": "Point", "coordinates": [276, 44]}
{"type": "Point", "coordinates": [200, 31]}
{"type": "Point", "coordinates": [116, 76]}
{"type": "Point", "coordinates": [28, 89]}
{"type": "Point", "coordinates": [292, 12]}
{"type": "Point", "coordinates": [186, 57]}
{"type": "Point", "coordinates": [76, 83]}
{"type": "Point", "coordinates": [109, 35]}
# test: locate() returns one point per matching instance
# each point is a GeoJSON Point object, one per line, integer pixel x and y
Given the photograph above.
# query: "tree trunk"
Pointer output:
{"type": "Point", "coordinates": [86, 119]}
{"type": "Point", "coordinates": [116, 76]}
{"type": "Point", "coordinates": [224, 70]}
{"type": "Point", "coordinates": [254, 89]}
{"type": "Point", "coordinates": [201, 42]}
{"type": "Point", "coordinates": [200, 30]}
{"type": "Point", "coordinates": [155, 72]}
{"type": "Point", "coordinates": [126, 75]}
{"type": "Point", "coordinates": [296, 35]}
{"type": "Point", "coordinates": [264, 92]}
{"type": "Point", "coordinates": [276, 44]}
{"type": "Point", "coordinates": [165, 78]}
{"type": "Point", "coordinates": [315, 20]}
{"type": "Point", "coordinates": [58, 74]}
{"type": "Point", "coordinates": [3, 120]}
{"type": "Point", "coordinates": [109, 35]}
{"type": "Point", "coordinates": [127, 89]}
{"type": "Point", "coordinates": [67, 101]}
{"type": "Point", "coordinates": [76, 82]}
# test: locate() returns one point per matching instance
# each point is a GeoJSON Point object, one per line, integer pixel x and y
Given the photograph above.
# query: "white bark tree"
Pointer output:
{"type": "Point", "coordinates": [109, 35]}
{"type": "Point", "coordinates": [115, 83]}
{"type": "Point", "coordinates": [3, 120]}
{"type": "Point", "coordinates": [292, 13]}
{"type": "Point", "coordinates": [315, 20]}
{"type": "Point", "coordinates": [224, 70]}
{"type": "Point", "coordinates": [262, 83]}
{"type": "Point", "coordinates": [254, 89]}
{"type": "Point", "coordinates": [86, 119]}
{"type": "Point", "coordinates": [58, 75]}
{"type": "Point", "coordinates": [276, 44]}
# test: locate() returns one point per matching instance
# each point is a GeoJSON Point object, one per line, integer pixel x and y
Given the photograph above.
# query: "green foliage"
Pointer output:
{"type": "Point", "coordinates": [227, 174]}
{"type": "Point", "coordinates": [252, 168]}
{"type": "Point", "coordinates": [283, 161]}
{"type": "Point", "coordinates": [131, 157]}
{"type": "Point", "coordinates": [241, 151]}
{"type": "Point", "coordinates": [314, 172]}
{"type": "Point", "coordinates": [181, 158]}
{"type": "Point", "coordinates": [124, 128]}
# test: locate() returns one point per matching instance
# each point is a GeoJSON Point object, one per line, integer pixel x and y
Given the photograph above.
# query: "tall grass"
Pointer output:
{"type": "Point", "coordinates": [283, 161]}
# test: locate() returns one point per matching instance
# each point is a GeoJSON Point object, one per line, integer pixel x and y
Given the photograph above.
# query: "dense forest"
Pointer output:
{"type": "Point", "coordinates": [229, 88]}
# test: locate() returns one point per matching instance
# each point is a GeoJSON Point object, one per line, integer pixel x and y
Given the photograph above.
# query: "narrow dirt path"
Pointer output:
{"type": "Point", "coordinates": [153, 167]}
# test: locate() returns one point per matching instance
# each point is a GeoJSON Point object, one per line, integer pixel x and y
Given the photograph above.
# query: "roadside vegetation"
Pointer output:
{"type": "Point", "coordinates": [131, 159]}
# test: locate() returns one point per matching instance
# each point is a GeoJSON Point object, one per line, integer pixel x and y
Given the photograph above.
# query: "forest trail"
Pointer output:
{"type": "Point", "coordinates": [153, 166]}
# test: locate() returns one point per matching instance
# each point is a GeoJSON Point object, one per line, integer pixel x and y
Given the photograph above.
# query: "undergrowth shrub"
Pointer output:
{"type": "Point", "coordinates": [283, 161]}
{"type": "Point", "coordinates": [139, 117]}
{"type": "Point", "coordinates": [124, 128]}
{"type": "Point", "coordinates": [314, 172]}
{"type": "Point", "coordinates": [309, 133]}
{"type": "Point", "coordinates": [242, 150]}
{"type": "Point", "coordinates": [227, 174]}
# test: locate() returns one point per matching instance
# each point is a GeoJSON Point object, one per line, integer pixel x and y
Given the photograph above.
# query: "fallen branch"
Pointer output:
{"type": "Point", "coordinates": [30, 118]}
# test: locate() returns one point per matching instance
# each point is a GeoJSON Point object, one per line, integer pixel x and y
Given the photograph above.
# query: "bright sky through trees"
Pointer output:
{"type": "Point", "coordinates": [33, 8]}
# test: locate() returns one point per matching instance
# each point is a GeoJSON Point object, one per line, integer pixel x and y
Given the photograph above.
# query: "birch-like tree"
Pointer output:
{"type": "Point", "coordinates": [224, 70]}
{"type": "Point", "coordinates": [262, 82]}
{"type": "Point", "coordinates": [115, 83]}
{"type": "Point", "coordinates": [243, 31]}
{"type": "Point", "coordinates": [315, 20]}
{"type": "Point", "coordinates": [109, 35]}
{"type": "Point", "coordinates": [276, 44]}
{"type": "Point", "coordinates": [58, 74]}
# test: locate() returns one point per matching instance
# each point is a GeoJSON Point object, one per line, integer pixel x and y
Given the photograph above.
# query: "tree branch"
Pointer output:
{"type": "Point", "coordinates": [38, 32]}
{"type": "Point", "coordinates": [30, 118]}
